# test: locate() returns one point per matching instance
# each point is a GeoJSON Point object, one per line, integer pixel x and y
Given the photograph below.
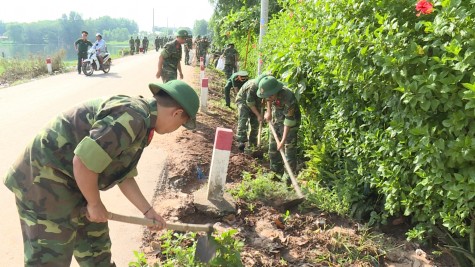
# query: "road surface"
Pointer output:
{"type": "Point", "coordinates": [27, 107]}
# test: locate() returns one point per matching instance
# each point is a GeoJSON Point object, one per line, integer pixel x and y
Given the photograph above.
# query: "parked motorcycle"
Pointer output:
{"type": "Point", "coordinates": [91, 64]}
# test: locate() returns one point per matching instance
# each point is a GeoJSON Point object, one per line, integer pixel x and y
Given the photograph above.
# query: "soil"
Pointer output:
{"type": "Point", "coordinates": [268, 236]}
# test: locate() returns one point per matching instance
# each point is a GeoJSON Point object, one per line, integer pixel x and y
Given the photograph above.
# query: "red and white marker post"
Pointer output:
{"type": "Point", "coordinates": [219, 163]}
{"type": "Point", "coordinates": [202, 68]}
{"type": "Point", "coordinates": [204, 95]}
{"type": "Point", "coordinates": [48, 65]}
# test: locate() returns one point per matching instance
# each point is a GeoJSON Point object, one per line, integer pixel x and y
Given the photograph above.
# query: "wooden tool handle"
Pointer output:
{"type": "Point", "coordinates": [183, 227]}
{"type": "Point", "coordinates": [286, 164]}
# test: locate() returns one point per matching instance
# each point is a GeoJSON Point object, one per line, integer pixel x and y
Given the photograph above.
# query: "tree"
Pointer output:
{"type": "Point", "coordinates": [15, 32]}
{"type": "Point", "coordinates": [200, 27]}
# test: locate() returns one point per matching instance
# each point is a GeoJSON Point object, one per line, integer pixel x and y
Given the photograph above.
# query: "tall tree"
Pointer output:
{"type": "Point", "coordinates": [200, 27]}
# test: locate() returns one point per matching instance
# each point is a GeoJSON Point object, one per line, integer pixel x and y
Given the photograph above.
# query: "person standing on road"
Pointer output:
{"type": "Point", "coordinates": [137, 45]}
{"type": "Point", "coordinates": [249, 106]}
{"type": "Point", "coordinates": [157, 44]}
{"type": "Point", "coordinates": [231, 57]}
{"type": "Point", "coordinates": [235, 82]}
{"type": "Point", "coordinates": [170, 57]}
{"type": "Point", "coordinates": [145, 44]}
{"type": "Point", "coordinates": [91, 147]}
{"type": "Point", "coordinates": [284, 112]}
{"type": "Point", "coordinates": [81, 45]}
{"type": "Point", "coordinates": [188, 46]}
{"type": "Point", "coordinates": [131, 45]}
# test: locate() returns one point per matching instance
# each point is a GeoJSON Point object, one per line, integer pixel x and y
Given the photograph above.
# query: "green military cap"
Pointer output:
{"type": "Point", "coordinates": [183, 95]}
{"type": "Point", "coordinates": [269, 86]}
{"type": "Point", "coordinates": [85, 32]}
{"type": "Point", "coordinates": [182, 33]}
{"type": "Point", "coordinates": [259, 78]}
{"type": "Point", "coordinates": [242, 73]}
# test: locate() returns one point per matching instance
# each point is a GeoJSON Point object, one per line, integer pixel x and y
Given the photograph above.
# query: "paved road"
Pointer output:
{"type": "Point", "coordinates": [26, 108]}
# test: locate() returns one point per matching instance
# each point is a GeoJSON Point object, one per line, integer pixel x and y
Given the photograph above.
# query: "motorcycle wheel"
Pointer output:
{"type": "Point", "coordinates": [106, 67]}
{"type": "Point", "coordinates": [87, 68]}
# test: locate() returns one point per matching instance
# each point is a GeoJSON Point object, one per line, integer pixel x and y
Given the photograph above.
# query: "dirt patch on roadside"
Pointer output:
{"type": "Point", "coordinates": [271, 238]}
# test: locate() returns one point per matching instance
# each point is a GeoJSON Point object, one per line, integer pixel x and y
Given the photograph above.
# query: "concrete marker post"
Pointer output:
{"type": "Point", "coordinates": [48, 65]}
{"type": "Point", "coordinates": [204, 95]}
{"type": "Point", "coordinates": [219, 163]}
{"type": "Point", "coordinates": [212, 199]}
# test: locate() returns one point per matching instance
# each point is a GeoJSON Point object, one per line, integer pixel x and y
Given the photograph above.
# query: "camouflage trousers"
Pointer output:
{"type": "Point", "coordinates": [229, 69]}
{"type": "Point", "coordinates": [52, 226]}
{"type": "Point", "coordinates": [290, 149]}
{"type": "Point", "coordinates": [247, 118]}
{"type": "Point", "coordinates": [168, 75]}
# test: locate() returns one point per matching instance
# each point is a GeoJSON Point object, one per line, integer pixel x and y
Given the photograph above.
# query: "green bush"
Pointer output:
{"type": "Point", "coordinates": [388, 99]}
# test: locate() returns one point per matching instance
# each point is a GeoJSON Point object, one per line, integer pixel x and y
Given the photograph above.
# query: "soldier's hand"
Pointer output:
{"type": "Point", "coordinates": [181, 76]}
{"type": "Point", "coordinates": [158, 75]}
{"type": "Point", "coordinates": [260, 118]}
{"type": "Point", "coordinates": [97, 212]}
{"type": "Point", "coordinates": [268, 116]}
{"type": "Point", "coordinates": [160, 222]}
{"type": "Point", "coordinates": [279, 145]}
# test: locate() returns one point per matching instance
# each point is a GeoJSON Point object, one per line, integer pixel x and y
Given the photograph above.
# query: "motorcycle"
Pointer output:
{"type": "Point", "coordinates": [91, 64]}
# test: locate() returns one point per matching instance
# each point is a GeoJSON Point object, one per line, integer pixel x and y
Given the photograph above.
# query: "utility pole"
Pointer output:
{"type": "Point", "coordinates": [153, 20]}
{"type": "Point", "coordinates": [262, 31]}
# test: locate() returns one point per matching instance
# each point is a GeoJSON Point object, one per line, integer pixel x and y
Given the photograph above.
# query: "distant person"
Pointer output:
{"type": "Point", "coordinates": [170, 57]}
{"type": "Point", "coordinates": [145, 44]}
{"type": "Point", "coordinates": [101, 48]}
{"type": "Point", "coordinates": [90, 148]}
{"type": "Point", "coordinates": [137, 45]}
{"type": "Point", "coordinates": [132, 45]}
{"type": "Point", "coordinates": [235, 82]}
{"type": "Point", "coordinates": [188, 47]}
{"type": "Point", "coordinates": [81, 45]}
{"type": "Point", "coordinates": [157, 44]}
{"type": "Point", "coordinates": [231, 57]}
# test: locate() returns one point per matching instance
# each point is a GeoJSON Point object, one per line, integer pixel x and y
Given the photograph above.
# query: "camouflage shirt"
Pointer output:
{"type": "Point", "coordinates": [285, 109]}
{"type": "Point", "coordinates": [108, 135]}
{"type": "Point", "coordinates": [248, 95]}
{"type": "Point", "coordinates": [172, 55]}
{"type": "Point", "coordinates": [230, 56]}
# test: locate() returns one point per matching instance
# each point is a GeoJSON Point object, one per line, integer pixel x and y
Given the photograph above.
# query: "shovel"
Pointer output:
{"type": "Point", "coordinates": [205, 246]}
{"type": "Point", "coordinates": [300, 197]}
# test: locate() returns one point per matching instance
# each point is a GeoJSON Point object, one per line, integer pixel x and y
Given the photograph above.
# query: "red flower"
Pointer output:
{"type": "Point", "coordinates": [424, 7]}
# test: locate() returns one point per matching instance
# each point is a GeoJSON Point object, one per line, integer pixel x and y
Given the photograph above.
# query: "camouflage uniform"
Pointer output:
{"type": "Point", "coordinates": [137, 45]}
{"type": "Point", "coordinates": [131, 45]}
{"type": "Point", "coordinates": [171, 58]}
{"type": "Point", "coordinates": [109, 136]}
{"type": "Point", "coordinates": [157, 43]}
{"type": "Point", "coordinates": [204, 44]}
{"type": "Point", "coordinates": [232, 82]}
{"type": "Point", "coordinates": [188, 46]}
{"type": "Point", "coordinates": [285, 111]}
{"type": "Point", "coordinates": [230, 55]}
{"type": "Point", "coordinates": [245, 99]}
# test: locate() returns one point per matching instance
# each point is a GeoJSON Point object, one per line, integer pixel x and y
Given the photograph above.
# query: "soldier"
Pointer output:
{"type": "Point", "coordinates": [137, 45]}
{"type": "Point", "coordinates": [81, 45]}
{"type": "Point", "coordinates": [145, 44]}
{"type": "Point", "coordinates": [249, 106]}
{"type": "Point", "coordinates": [284, 112]}
{"type": "Point", "coordinates": [157, 44]}
{"type": "Point", "coordinates": [91, 147]}
{"type": "Point", "coordinates": [231, 58]}
{"type": "Point", "coordinates": [188, 47]}
{"type": "Point", "coordinates": [197, 48]}
{"type": "Point", "coordinates": [170, 57]}
{"type": "Point", "coordinates": [235, 82]}
{"type": "Point", "coordinates": [204, 49]}
{"type": "Point", "coordinates": [131, 45]}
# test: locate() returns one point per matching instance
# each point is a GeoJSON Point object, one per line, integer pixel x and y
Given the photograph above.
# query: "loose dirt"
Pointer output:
{"type": "Point", "coordinates": [270, 239]}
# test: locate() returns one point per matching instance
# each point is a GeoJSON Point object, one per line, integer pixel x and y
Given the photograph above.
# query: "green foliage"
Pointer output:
{"type": "Point", "coordinates": [17, 69]}
{"type": "Point", "coordinates": [178, 249]}
{"type": "Point", "coordinates": [388, 101]}
{"type": "Point", "coordinates": [200, 27]}
{"type": "Point", "coordinates": [264, 187]}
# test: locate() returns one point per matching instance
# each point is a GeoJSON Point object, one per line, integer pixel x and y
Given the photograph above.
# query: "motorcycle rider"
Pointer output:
{"type": "Point", "coordinates": [101, 48]}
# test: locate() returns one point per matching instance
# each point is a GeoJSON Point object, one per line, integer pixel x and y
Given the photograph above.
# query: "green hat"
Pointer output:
{"type": "Point", "coordinates": [269, 86]}
{"type": "Point", "coordinates": [259, 78]}
{"type": "Point", "coordinates": [242, 73]}
{"type": "Point", "coordinates": [182, 33]}
{"type": "Point", "coordinates": [183, 95]}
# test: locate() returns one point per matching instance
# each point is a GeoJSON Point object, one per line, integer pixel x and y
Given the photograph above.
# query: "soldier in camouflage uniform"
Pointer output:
{"type": "Point", "coordinates": [249, 106]}
{"type": "Point", "coordinates": [231, 57]}
{"type": "Point", "coordinates": [188, 47]}
{"type": "Point", "coordinates": [92, 147]}
{"type": "Point", "coordinates": [286, 119]}
{"type": "Point", "coordinates": [137, 45]}
{"type": "Point", "coordinates": [235, 82]}
{"type": "Point", "coordinates": [204, 49]}
{"type": "Point", "coordinates": [132, 45]}
{"type": "Point", "coordinates": [170, 57]}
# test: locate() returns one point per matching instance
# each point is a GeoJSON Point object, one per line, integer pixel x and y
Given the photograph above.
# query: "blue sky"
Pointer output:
{"type": "Point", "coordinates": [178, 13]}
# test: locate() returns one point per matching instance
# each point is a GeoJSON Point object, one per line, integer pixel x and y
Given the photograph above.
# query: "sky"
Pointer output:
{"type": "Point", "coordinates": [177, 13]}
